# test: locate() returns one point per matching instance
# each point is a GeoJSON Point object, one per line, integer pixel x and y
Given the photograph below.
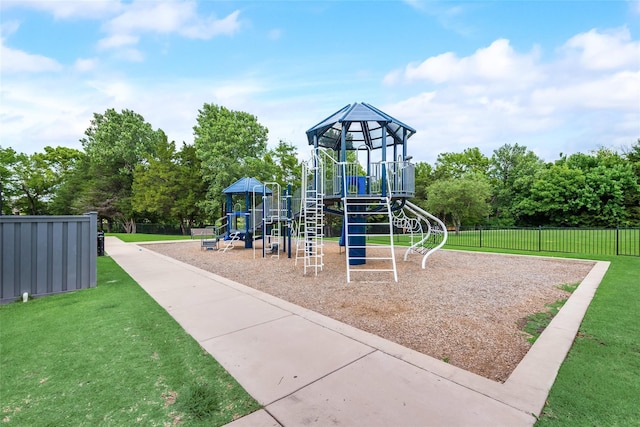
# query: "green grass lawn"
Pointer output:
{"type": "Point", "coordinates": [108, 355]}
{"type": "Point", "coordinates": [599, 382]}
{"type": "Point", "coordinates": [141, 237]}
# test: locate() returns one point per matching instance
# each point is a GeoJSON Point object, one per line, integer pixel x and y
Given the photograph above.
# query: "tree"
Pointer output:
{"type": "Point", "coordinates": [169, 186]}
{"type": "Point", "coordinates": [193, 188]}
{"type": "Point", "coordinates": [456, 165]}
{"type": "Point", "coordinates": [70, 195]}
{"type": "Point", "coordinates": [511, 170]}
{"type": "Point", "coordinates": [465, 199]}
{"type": "Point", "coordinates": [423, 178]}
{"type": "Point", "coordinates": [7, 189]}
{"type": "Point", "coordinates": [287, 169]}
{"type": "Point", "coordinates": [554, 197]}
{"type": "Point", "coordinates": [155, 185]}
{"type": "Point", "coordinates": [35, 178]}
{"type": "Point", "coordinates": [632, 155]}
{"type": "Point", "coordinates": [115, 144]}
{"type": "Point", "coordinates": [587, 190]}
{"type": "Point", "coordinates": [230, 145]}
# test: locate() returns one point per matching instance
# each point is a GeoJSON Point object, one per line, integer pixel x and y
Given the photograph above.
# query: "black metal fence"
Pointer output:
{"type": "Point", "coordinates": [588, 241]}
{"type": "Point", "coordinates": [146, 228]}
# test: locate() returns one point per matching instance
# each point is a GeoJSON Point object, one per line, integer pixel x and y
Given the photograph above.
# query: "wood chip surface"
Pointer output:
{"type": "Point", "coordinates": [466, 308]}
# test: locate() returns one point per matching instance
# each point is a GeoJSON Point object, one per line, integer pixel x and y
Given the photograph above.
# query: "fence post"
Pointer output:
{"type": "Point", "coordinates": [539, 238]}
{"type": "Point", "coordinates": [617, 240]}
{"type": "Point", "coordinates": [480, 236]}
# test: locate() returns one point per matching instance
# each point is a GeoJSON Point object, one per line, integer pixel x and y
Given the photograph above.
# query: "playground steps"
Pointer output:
{"type": "Point", "coordinates": [228, 244]}
{"type": "Point", "coordinates": [357, 228]}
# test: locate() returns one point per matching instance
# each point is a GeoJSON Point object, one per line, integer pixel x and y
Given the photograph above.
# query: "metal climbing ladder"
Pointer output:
{"type": "Point", "coordinates": [310, 242]}
{"type": "Point", "coordinates": [380, 255]}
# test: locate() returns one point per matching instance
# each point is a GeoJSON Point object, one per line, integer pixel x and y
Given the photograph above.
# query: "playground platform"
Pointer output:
{"type": "Point", "coordinates": [308, 369]}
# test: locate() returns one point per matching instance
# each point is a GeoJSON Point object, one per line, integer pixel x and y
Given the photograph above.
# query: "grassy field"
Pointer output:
{"type": "Point", "coordinates": [140, 237]}
{"type": "Point", "coordinates": [599, 382]}
{"type": "Point", "coordinates": [109, 355]}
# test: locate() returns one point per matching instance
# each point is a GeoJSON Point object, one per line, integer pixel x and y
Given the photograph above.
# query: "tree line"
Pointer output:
{"type": "Point", "coordinates": [130, 173]}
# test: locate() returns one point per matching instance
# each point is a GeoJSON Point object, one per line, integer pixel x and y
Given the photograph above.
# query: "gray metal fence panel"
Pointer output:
{"type": "Point", "coordinates": [44, 255]}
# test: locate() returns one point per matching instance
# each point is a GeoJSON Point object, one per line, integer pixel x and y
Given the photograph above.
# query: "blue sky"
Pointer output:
{"type": "Point", "coordinates": [556, 76]}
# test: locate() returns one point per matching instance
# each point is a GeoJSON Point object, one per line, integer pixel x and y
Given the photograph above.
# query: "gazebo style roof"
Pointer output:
{"type": "Point", "coordinates": [245, 185]}
{"type": "Point", "coordinates": [364, 124]}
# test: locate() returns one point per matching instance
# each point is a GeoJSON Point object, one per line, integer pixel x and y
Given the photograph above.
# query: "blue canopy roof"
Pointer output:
{"type": "Point", "coordinates": [246, 185]}
{"type": "Point", "coordinates": [364, 124]}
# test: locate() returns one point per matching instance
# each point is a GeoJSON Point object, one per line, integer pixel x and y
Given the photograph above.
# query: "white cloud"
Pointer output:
{"type": "Point", "coordinates": [497, 62]}
{"type": "Point", "coordinates": [152, 16]}
{"type": "Point", "coordinates": [17, 61]}
{"type": "Point", "coordinates": [588, 94]}
{"type": "Point", "coordinates": [604, 50]}
{"type": "Point", "coordinates": [117, 40]}
{"type": "Point", "coordinates": [35, 113]}
{"type": "Point", "coordinates": [619, 91]}
{"type": "Point", "coordinates": [212, 27]}
{"type": "Point", "coordinates": [167, 17]}
{"type": "Point", "coordinates": [93, 9]}
{"type": "Point", "coordinates": [85, 65]}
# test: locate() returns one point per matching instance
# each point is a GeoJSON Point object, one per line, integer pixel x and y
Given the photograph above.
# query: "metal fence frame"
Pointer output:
{"type": "Point", "coordinates": [623, 241]}
{"type": "Point", "coordinates": [44, 255]}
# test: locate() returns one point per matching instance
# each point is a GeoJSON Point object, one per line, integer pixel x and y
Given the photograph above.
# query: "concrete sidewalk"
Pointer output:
{"type": "Point", "coordinates": [306, 368]}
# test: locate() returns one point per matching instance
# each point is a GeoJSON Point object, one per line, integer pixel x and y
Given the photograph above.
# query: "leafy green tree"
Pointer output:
{"type": "Point", "coordinates": [193, 188]}
{"type": "Point", "coordinates": [456, 165]}
{"type": "Point", "coordinates": [511, 171]}
{"type": "Point", "coordinates": [554, 197]}
{"type": "Point", "coordinates": [465, 199]}
{"type": "Point", "coordinates": [7, 185]}
{"type": "Point", "coordinates": [169, 186]}
{"type": "Point", "coordinates": [155, 185]}
{"type": "Point", "coordinates": [286, 166]}
{"type": "Point", "coordinates": [230, 145]}
{"type": "Point", "coordinates": [36, 178]}
{"type": "Point", "coordinates": [423, 178]}
{"type": "Point", "coordinates": [69, 198]}
{"type": "Point", "coordinates": [588, 190]}
{"type": "Point", "coordinates": [632, 201]}
{"type": "Point", "coordinates": [115, 143]}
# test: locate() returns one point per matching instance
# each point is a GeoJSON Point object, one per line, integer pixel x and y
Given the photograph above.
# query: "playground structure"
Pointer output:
{"type": "Point", "coordinates": [359, 170]}
{"type": "Point", "coordinates": [253, 211]}
{"type": "Point", "coordinates": [370, 194]}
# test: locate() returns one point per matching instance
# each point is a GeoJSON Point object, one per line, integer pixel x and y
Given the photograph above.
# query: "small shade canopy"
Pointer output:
{"type": "Point", "coordinates": [364, 124]}
{"type": "Point", "coordinates": [246, 185]}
